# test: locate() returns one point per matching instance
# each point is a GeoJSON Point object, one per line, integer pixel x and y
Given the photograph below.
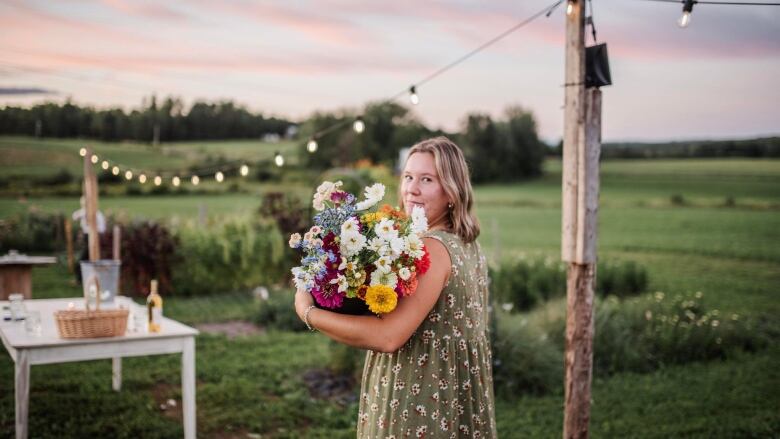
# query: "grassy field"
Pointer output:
{"type": "Point", "coordinates": [25, 156]}
{"type": "Point", "coordinates": [672, 216]}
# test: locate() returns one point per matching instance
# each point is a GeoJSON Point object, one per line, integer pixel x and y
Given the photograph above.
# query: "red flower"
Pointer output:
{"type": "Point", "coordinates": [423, 264]}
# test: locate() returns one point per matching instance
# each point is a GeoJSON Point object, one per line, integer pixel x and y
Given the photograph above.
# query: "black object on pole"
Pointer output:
{"type": "Point", "coordinates": [597, 66]}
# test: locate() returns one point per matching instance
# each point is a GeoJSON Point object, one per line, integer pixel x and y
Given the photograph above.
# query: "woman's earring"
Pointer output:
{"type": "Point", "coordinates": [449, 205]}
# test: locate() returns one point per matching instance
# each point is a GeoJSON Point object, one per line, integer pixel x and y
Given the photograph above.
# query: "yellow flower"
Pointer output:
{"type": "Point", "coordinates": [371, 218]}
{"type": "Point", "coordinates": [381, 299]}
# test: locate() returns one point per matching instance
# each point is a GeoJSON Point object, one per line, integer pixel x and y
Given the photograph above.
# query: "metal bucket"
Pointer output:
{"type": "Point", "coordinates": [107, 272]}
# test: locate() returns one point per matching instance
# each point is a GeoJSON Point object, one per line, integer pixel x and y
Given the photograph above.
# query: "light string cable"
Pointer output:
{"type": "Point", "coordinates": [704, 2]}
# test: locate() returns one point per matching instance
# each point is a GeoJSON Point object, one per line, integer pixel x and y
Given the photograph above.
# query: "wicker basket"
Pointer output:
{"type": "Point", "coordinates": [91, 323]}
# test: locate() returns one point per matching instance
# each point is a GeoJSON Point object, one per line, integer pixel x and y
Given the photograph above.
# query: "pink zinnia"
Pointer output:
{"type": "Point", "coordinates": [328, 298]}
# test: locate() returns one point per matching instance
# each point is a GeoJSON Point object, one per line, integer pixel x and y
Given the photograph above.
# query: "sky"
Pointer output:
{"type": "Point", "coordinates": [715, 79]}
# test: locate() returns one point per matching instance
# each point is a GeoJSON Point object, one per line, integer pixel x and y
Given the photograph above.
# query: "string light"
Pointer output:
{"type": "Point", "coordinates": [686, 16]}
{"type": "Point", "coordinates": [83, 152]}
{"type": "Point", "coordinates": [142, 178]}
{"type": "Point", "coordinates": [176, 181]}
{"type": "Point", "coordinates": [570, 7]}
{"type": "Point", "coordinates": [359, 125]}
{"type": "Point", "coordinates": [157, 180]}
{"type": "Point", "coordinates": [129, 175]}
{"type": "Point", "coordinates": [95, 158]}
{"type": "Point", "coordinates": [115, 170]}
{"type": "Point", "coordinates": [104, 165]}
{"type": "Point", "coordinates": [413, 95]}
{"type": "Point", "coordinates": [244, 170]}
{"type": "Point", "coordinates": [195, 180]}
{"type": "Point", "coordinates": [219, 176]}
{"type": "Point", "coordinates": [278, 159]}
{"type": "Point", "coordinates": [312, 145]}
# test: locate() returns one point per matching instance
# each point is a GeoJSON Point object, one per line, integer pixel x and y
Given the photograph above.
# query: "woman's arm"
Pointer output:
{"type": "Point", "coordinates": [390, 331]}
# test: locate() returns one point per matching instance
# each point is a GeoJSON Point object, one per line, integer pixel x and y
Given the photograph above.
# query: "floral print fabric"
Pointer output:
{"type": "Point", "coordinates": [439, 384]}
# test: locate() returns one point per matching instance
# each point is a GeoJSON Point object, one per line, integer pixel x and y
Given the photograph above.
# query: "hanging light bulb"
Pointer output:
{"type": "Point", "coordinates": [219, 176]}
{"type": "Point", "coordinates": [157, 180]}
{"type": "Point", "coordinates": [312, 145]}
{"type": "Point", "coordinates": [570, 6]}
{"type": "Point", "coordinates": [104, 165]}
{"type": "Point", "coordinates": [176, 181]}
{"type": "Point", "coordinates": [413, 95]}
{"type": "Point", "coordinates": [95, 158]}
{"type": "Point", "coordinates": [142, 178]}
{"type": "Point", "coordinates": [115, 170]}
{"type": "Point", "coordinates": [129, 175]}
{"type": "Point", "coordinates": [359, 125]}
{"type": "Point", "coordinates": [83, 152]}
{"type": "Point", "coordinates": [195, 180]}
{"type": "Point", "coordinates": [278, 159]}
{"type": "Point", "coordinates": [686, 16]}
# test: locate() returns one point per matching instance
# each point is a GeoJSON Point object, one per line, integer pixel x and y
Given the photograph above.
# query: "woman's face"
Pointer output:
{"type": "Point", "coordinates": [420, 186]}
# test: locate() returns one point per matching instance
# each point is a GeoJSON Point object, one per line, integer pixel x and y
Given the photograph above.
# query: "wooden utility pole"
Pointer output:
{"type": "Point", "coordinates": [91, 206]}
{"type": "Point", "coordinates": [581, 150]}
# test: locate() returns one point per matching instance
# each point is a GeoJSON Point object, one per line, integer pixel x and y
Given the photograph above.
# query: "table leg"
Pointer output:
{"type": "Point", "coordinates": [22, 385]}
{"type": "Point", "coordinates": [116, 373]}
{"type": "Point", "coordinates": [188, 387]}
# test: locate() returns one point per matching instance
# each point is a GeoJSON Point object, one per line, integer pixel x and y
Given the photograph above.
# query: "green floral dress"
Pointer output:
{"type": "Point", "coordinates": [440, 383]}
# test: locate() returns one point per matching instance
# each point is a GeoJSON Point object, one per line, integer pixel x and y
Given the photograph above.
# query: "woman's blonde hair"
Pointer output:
{"type": "Point", "coordinates": [454, 176]}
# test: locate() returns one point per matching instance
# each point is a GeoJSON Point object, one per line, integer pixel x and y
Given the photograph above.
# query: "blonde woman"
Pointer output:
{"type": "Point", "coordinates": [428, 369]}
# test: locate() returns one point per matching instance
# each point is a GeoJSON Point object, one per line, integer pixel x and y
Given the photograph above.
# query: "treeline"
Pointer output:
{"type": "Point", "coordinates": [166, 121]}
{"type": "Point", "coordinates": [761, 147]}
{"type": "Point", "coordinates": [503, 149]}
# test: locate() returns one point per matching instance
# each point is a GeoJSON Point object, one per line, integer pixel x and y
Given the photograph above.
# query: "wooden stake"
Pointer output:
{"type": "Point", "coordinates": [91, 206]}
{"type": "Point", "coordinates": [117, 242]}
{"type": "Point", "coordinates": [69, 243]}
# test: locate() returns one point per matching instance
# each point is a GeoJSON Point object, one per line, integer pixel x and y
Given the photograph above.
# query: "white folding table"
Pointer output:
{"type": "Point", "coordinates": [47, 348]}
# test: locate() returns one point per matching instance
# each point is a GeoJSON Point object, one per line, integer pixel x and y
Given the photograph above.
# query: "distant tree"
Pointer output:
{"type": "Point", "coordinates": [505, 150]}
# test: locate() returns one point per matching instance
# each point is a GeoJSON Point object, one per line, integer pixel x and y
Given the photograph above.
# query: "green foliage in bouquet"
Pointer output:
{"type": "Point", "coordinates": [232, 255]}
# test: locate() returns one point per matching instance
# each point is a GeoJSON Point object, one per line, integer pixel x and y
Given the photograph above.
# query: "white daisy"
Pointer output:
{"type": "Point", "coordinates": [419, 220]}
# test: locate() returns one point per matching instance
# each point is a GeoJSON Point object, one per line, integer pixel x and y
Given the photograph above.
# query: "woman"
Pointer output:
{"type": "Point", "coordinates": [428, 367]}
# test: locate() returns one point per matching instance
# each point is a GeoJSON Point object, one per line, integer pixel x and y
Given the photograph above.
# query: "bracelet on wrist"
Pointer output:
{"type": "Point", "coordinates": [306, 317]}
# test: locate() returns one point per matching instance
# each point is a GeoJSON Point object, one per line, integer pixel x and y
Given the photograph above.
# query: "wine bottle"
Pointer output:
{"type": "Point", "coordinates": [154, 306]}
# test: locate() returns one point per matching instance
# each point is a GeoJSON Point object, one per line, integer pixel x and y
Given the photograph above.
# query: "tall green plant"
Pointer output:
{"type": "Point", "coordinates": [233, 255]}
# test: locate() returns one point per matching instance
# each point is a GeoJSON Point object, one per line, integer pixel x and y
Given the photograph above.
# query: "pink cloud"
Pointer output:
{"type": "Point", "coordinates": [156, 11]}
{"type": "Point", "coordinates": [318, 27]}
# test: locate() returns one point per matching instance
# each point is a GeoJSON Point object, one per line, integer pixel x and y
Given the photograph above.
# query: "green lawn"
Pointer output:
{"type": "Point", "coordinates": [729, 251]}
{"type": "Point", "coordinates": [25, 156]}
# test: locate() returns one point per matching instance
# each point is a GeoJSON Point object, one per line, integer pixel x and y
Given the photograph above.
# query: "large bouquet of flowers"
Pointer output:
{"type": "Point", "coordinates": [358, 252]}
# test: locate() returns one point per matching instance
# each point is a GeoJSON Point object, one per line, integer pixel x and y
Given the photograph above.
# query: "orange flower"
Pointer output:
{"type": "Point", "coordinates": [408, 287]}
{"type": "Point", "coordinates": [391, 212]}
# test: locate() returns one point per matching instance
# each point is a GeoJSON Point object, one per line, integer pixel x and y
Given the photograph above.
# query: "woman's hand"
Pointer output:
{"type": "Point", "coordinates": [303, 300]}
